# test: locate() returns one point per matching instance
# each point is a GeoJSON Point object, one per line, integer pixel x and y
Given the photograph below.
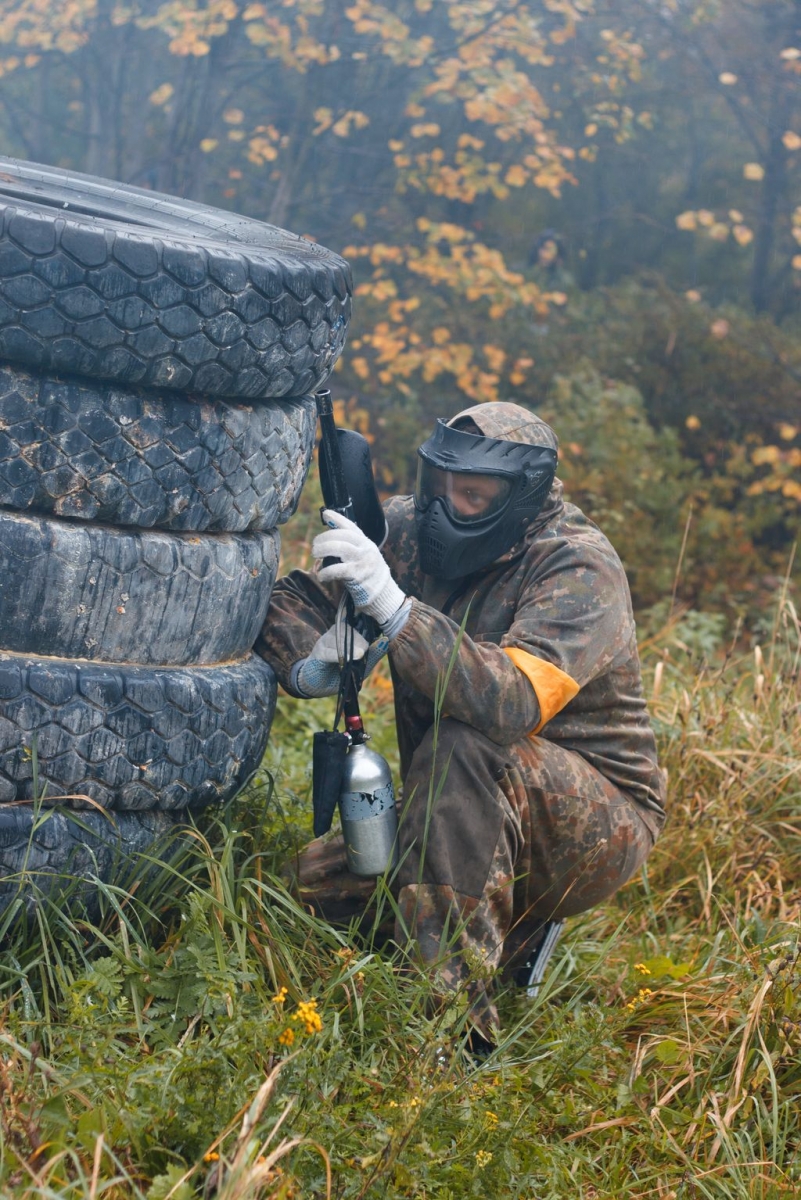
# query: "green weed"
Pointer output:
{"type": "Point", "coordinates": [205, 1035]}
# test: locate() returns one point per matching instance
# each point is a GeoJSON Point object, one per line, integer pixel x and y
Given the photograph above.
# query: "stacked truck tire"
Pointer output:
{"type": "Point", "coordinates": [157, 365]}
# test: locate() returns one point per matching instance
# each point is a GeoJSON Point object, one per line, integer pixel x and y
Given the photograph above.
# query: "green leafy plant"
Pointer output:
{"type": "Point", "coordinates": [207, 1032]}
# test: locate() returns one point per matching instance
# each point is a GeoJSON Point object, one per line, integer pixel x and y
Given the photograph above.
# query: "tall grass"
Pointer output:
{"type": "Point", "coordinates": [207, 1035]}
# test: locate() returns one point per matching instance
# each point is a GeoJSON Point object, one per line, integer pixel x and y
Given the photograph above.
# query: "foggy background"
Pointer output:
{"type": "Point", "coordinates": [592, 208]}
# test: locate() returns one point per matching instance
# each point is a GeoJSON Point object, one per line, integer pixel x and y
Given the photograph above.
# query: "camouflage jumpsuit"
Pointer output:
{"type": "Point", "coordinates": [538, 792]}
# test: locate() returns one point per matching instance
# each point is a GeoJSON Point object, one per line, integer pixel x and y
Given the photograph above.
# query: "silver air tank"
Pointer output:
{"type": "Point", "coordinates": [367, 807]}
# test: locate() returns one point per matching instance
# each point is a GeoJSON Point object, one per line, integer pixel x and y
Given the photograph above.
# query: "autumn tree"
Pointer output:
{"type": "Point", "coordinates": [432, 141]}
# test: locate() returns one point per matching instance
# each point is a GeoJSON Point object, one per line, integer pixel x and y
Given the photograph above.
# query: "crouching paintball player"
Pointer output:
{"type": "Point", "coordinates": [552, 796]}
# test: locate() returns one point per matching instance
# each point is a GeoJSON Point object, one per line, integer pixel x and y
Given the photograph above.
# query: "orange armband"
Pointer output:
{"type": "Point", "coordinates": [554, 688]}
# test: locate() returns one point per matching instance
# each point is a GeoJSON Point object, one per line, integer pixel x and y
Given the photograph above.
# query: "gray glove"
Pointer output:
{"type": "Point", "coordinates": [319, 674]}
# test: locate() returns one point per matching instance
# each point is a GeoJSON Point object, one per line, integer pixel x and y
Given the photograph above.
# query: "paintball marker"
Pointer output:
{"type": "Point", "coordinates": [344, 769]}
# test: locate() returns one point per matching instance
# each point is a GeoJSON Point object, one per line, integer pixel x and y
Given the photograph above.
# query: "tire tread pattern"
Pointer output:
{"type": "Point", "coordinates": [83, 294]}
{"type": "Point", "coordinates": [81, 590]}
{"type": "Point", "coordinates": [79, 449]}
{"type": "Point", "coordinates": [53, 853]}
{"type": "Point", "coordinates": [131, 738]}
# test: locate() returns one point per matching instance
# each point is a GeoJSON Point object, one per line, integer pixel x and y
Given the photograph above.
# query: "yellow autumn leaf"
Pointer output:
{"type": "Point", "coordinates": [233, 116]}
{"type": "Point", "coordinates": [495, 356]}
{"type": "Point", "coordinates": [591, 129]}
{"type": "Point", "coordinates": [787, 432]}
{"type": "Point", "coordinates": [429, 129]}
{"type": "Point", "coordinates": [705, 217]}
{"type": "Point", "coordinates": [261, 151]}
{"type": "Point", "coordinates": [719, 232]}
{"type": "Point", "coordinates": [743, 236]}
{"type": "Point", "coordinates": [797, 262]}
{"type": "Point", "coordinates": [727, 78]}
{"type": "Point", "coordinates": [754, 171]}
{"type": "Point", "coordinates": [361, 367]}
{"type": "Point", "coordinates": [720, 328]}
{"type": "Point", "coordinates": [440, 335]}
{"type": "Point", "coordinates": [687, 220]}
{"type": "Point", "coordinates": [161, 94]}
{"type": "Point", "coordinates": [324, 118]}
{"type": "Point", "coordinates": [415, 110]}
{"type": "Point", "coordinates": [791, 140]}
{"type": "Point", "coordinates": [516, 176]}
{"type": "Point", "coordinates": [359, 220]}
{"type": "Point", "coordinates": [342, 127]}
{"type": "Point", "coordinates": [187, 45]}
{"type": "Point", "coordinates": [736, 215]}
{"type": "Point", "coordinates": [766, 455]}
{"type": "Point", "coordinates": [693, 422]}
{"type": "Point", "coordinates": [209, 144]}
{"type": "Point", "coordinates": [693, 295]}
{"type": "Point", "coordinates": [790, 53]}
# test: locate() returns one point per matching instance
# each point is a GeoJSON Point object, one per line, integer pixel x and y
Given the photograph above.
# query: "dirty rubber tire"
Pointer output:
{"type": "Point", "coordinates": [55, 854]}
{"type": "Point", "coordinates": [77, 590]}
{"type": "Point", "coordinates": [131, 738]}
{"type": "Point", "coordinates": [115, 282]}
{"type": "Point", "coordinates": [74, 448]}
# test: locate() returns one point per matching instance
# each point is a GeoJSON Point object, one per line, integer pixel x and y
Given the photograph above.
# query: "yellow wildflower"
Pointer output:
{"type": "Point", "coordinates": [280, 996]}
{"type": "Point", "coordinates": [483, 1158]}
{"type": "Point", "coordinates": [640, 998]}
{"type": "Point", "coordinates": [286, 1038]}
{"type": "Point", "coordinates": [308, 1015]}
{"type": "Point", "coordinates": [641, 967]}
{"type": "Point", "coordinates": [212, 1156]}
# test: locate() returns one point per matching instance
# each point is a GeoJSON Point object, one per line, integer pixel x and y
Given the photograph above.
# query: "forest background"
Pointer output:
{"type": "Point", "coordinates": [206, 1035]}
{"type": "Point", "coordinates": [434, 144]}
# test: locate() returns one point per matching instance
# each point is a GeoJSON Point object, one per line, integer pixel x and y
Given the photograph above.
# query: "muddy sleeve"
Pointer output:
{"type": "Point", "coordinates": [571, 623]}
{"type": "Point", "coordinates": [301, 609]}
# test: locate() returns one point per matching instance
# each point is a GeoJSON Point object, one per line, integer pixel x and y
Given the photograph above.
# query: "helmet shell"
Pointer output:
{"type": "Point", "coordinates": [450, 548]}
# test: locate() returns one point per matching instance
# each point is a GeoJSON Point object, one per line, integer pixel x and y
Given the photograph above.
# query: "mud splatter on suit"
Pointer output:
{"type": "Point", "coordinates": [538, 794]}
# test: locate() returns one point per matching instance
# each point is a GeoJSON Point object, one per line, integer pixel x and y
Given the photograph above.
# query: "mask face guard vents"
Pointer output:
{"type": "Point", "coordinates": [450, 547]}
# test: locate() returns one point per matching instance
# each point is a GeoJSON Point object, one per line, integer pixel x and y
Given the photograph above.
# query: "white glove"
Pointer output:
{"type": "Point", "coordinates": [319, 674]}
{"type": "Point", "coordinates": [362, 567]}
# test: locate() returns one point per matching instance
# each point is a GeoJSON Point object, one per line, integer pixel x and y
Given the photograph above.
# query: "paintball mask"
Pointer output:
{"type": "Point", "coordinates": [474, 498]}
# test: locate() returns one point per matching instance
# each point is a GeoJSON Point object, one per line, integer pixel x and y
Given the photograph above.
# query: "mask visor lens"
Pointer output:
{"type": "Point", "coordinates": [468, 495]}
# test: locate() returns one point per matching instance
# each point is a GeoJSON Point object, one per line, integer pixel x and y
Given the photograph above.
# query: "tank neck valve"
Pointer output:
{"type": "Point", "coordinates": [354, 726]}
